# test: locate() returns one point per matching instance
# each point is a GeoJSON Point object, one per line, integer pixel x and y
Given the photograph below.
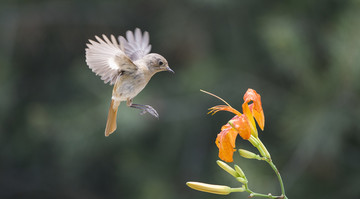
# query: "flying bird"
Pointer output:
{"type": "Point", "coordinates": [128, 66]}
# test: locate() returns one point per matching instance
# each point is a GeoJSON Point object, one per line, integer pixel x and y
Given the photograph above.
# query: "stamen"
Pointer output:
{"type": "Point", "coordinates": [215, 96]}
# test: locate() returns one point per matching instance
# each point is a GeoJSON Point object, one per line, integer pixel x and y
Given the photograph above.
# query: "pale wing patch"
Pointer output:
{"type": "Point", "coordinates": [113, 64]}
{"type": "Point", "coordinates": [105, 59]}
{"type": "Point", "coordinates": [137, 45]}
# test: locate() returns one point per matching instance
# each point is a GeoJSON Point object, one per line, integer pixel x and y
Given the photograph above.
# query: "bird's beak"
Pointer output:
{"type": "Point", "coordinates": [169, 69]}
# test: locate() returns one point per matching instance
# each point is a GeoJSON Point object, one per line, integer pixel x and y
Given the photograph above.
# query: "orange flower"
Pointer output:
{"type": "Point", "coordinates": [242, 124]}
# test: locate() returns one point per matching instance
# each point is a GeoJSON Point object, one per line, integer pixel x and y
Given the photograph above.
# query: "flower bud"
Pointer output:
{"type": "Point", "coordinates": [249, 155]}
{"type": "Point", "coordinates": [227, 168]}
{"type": "Point", "coordinates": [209, 188]}
{"type": "Point", "coordinates": [239, 171]}
{"type": "Point", "coordinates": [242, 180]}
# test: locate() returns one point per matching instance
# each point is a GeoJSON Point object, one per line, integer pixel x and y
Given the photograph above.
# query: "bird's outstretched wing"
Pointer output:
{"type": "Point", "coordinates": [105, 58]}
{"type": "Point", "coordinates": [136, 45]}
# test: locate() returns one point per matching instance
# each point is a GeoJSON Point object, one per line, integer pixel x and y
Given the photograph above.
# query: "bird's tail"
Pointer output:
{"type": "Point", "coordinates": [111, 120]}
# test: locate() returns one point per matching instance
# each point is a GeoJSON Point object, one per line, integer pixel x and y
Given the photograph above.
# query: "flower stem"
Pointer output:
{"type": "Point", "coordinates": [256, 142]}
{"type": "Point", "coordinates": [253, 194]}
{"type": "Point", "coordinates": [278, 175]}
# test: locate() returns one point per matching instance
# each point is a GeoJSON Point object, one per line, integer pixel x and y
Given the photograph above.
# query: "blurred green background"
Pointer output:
{"type": "Point", "coordinates": [303, 57]}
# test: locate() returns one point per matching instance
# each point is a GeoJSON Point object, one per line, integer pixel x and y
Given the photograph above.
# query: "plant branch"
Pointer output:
{"type": "Point", "coordinates": [278, 175]}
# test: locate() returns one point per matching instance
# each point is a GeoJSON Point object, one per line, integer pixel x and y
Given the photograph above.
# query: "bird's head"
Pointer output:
{"type": "Point", "coordinates": [157, 63]}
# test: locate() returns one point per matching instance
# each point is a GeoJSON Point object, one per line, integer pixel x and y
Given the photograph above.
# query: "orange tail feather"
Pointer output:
{"type": "Point", "coordinates": [111, 120]}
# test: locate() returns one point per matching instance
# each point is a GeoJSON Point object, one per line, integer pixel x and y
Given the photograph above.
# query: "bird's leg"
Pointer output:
{"type": "Point", "coordinates": [143, 108]}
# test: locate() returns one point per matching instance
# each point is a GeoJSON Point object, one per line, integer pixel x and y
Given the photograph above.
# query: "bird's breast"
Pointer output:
{"type": "Point", "coordinates": [128, 86]}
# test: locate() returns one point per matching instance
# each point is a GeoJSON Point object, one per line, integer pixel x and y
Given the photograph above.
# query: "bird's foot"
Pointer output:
{"type": "Point", "coordinates": [145, 109]}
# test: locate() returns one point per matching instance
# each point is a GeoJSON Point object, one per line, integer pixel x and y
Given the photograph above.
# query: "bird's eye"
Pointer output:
{"type": "Point", "coordinates": [160, 63]}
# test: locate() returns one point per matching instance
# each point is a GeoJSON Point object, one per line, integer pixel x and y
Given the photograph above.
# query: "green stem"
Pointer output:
{"type": "Point", "coordinates": [256, 142]}
{"type": "Point", "coordinates": [253, 194]}
{"type": "Point", "coordinates": [278, 175]}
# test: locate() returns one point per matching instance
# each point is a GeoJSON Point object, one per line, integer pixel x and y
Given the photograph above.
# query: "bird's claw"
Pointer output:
{"type": "Point", "coordinates": [150, 110]}
{"type": "Point", "coordinates": [146, 109]}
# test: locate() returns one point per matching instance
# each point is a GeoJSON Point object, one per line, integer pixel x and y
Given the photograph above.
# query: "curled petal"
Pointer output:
{"type": "Point", "coordinates": [252, 95]}
{"type": "Point", "coordinates": [241, 124]}
{"type": "Point", "coordinates": [218, 108]}
{"type": "Point", "coordinates": [255, 108]}
{"type": "Point", "coordinates": [225, 141]}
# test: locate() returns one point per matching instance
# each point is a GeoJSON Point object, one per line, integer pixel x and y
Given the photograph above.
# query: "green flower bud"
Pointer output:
{"type": "Point", "coordinates": [242, 180]}
{"type": "Point", "coordinates": [248, 154]}
{"type": "Point", "coordinates": [239, 171]}
{"type": "Point", "coordinates": [227, 168]}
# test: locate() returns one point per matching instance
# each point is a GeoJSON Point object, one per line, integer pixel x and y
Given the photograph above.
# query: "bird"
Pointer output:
{"type": "Point", "coordinates": [128, 66]}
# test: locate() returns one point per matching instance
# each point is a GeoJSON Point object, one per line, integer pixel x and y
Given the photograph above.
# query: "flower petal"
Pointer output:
{"type": "Point", "coordinates": [249, 115]}
{"type": "Point", "coordinates": [259, 116]}
{"type": "Point", "coordinates": [225, 141]}
{"type": "Point", "coordinates": [241, 124]}
{"type": "Point", "coordinates": [252, 95]}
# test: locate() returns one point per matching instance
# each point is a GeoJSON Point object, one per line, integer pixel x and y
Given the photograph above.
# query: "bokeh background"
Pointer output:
{"type": "Point", "coordinates": [303, 57]}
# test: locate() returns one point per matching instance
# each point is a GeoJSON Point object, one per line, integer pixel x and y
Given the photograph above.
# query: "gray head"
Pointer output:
{"type": "Point", "coordinates": [157, 63]}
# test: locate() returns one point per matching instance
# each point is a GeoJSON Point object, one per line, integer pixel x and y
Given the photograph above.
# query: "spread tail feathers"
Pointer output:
{"type": "Point", "coordinates": [111, 120]}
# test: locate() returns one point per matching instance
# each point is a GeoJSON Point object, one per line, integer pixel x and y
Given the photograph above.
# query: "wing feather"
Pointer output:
{"type": "Point", "coordinates": [136, 45]}
{"type": "Point", "coordinates": [105, 58]}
